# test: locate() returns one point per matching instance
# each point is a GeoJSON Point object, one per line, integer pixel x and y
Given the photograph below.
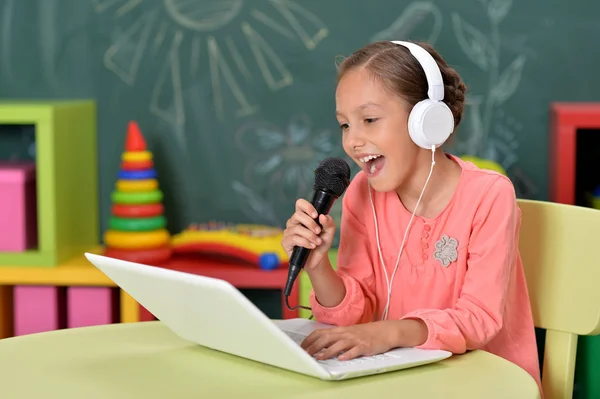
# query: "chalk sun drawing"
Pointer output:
{"type": "Point", "coordinates": [189, 40]}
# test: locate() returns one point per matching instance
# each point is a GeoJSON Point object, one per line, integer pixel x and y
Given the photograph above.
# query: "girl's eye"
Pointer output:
{"type": "Point", "coordinates": [371, 120]}
{"type": "Point", "coordinates": [344, 126]}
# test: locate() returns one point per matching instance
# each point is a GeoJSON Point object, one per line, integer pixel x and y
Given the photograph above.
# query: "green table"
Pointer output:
{"type": "Point", "coordinates": [146, 360]}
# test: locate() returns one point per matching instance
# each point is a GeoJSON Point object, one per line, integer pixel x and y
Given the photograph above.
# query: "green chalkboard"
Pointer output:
{"type": "Point", "coordinates": [236, 97]}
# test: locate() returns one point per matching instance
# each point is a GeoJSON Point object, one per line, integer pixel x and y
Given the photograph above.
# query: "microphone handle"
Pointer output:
{"type": "Point", "coordinates": [322, 201]}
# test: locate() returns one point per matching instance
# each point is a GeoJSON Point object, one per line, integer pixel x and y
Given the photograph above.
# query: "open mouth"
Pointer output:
{"type": "Point", "coordinates": [372, 164]}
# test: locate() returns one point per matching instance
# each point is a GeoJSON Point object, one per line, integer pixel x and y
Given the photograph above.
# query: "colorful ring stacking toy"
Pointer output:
{"type": "Point", "coordinates": [137, 185]}
{"type": "Point", "coordinates": [136, 239]}
{"type": "Point", "coordinates": [141, 197]}
{"type": "Point", "coordinates": [137, 227]}
{"type": "Point", "coordinates": [135, 165]}
{"type": "Point", "coordinates": [151, 255]}
{"type": "Point", "coordinates": [136, 156]}
{"type": "Point", "coordinates": [137, 224]}
{"type": "Point", "coordinates": [142, 174]}
{"type": "Point", "coordinates": [137, 210]}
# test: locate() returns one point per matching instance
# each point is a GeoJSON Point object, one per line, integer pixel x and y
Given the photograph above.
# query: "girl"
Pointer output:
{"type": "Point", "coordinates": [436, 268]}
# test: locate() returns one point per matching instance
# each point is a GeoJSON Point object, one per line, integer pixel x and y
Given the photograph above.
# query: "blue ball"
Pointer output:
{"type": "Point", "coordinates": [137, 174]}
{"type": "Point", "coordinates": [268, 261]}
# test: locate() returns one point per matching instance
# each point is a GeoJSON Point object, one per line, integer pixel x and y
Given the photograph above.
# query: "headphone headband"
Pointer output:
{"type": "Point", "coordinates": [432, 71]}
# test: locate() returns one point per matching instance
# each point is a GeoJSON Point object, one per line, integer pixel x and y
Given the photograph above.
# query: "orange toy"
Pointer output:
{"type": "Point", "coordinates": [137, 227]}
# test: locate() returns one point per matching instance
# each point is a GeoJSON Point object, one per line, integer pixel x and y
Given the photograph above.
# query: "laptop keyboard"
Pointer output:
{"type": "Point", "coordinates": [298, 338]}
{"type": "Point", "coordinates": [334, 362]}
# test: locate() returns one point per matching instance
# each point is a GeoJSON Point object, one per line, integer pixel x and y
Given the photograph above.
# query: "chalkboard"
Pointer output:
{"type": "Point", "coordinates": [236, 97]}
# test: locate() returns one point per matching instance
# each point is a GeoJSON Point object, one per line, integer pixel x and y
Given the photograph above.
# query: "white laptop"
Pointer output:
{"type": "Point", "coordinates": [213, 313]}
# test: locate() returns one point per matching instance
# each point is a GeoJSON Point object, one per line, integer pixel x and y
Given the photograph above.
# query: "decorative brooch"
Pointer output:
{"type": "Point", "coordinates": [446, 250]}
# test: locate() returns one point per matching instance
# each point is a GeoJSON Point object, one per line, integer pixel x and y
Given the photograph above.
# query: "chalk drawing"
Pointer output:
{"type": "Point", "coordinates": [127, 7]}
{"type": "Point", "coordinates": [489, 133]}
{"type": "Point", "coordinates": [219, 67]}
{"type": "Point", "coordinates": [203, 15]}
{"type": "Point", "coordinates": [102, 5]}
{"type": "Point", "coordinates": [280, 164]}
{"type": "Point", "coordinates": [265, 55]}
{"type": "Point", "coordinates": [237, 58]}
{"type": "Point", "coordinates": [486, 131]}
{"type": "Point", "coordinates": [168, 86]}
{"type": "Point", "coordinates": [293, 12]}
{"type": "Point", "coordinates": [208, 50]}
{"type": "Point", "coordinates": [285, 157]}
{"type": "Point", "coordinates": [125, 55]}
{"type": "Point", "coordinates": [412, 21]}
{"type": "Point", "coordinates": [160, 37]}
{"type": "Point", "coordinates": [273, 24]}
{"type": "Point", "coordinates": [485, 52]}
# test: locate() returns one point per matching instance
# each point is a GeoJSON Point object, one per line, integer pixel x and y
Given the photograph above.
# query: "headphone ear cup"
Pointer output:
{"type": "Point", "coordinates": [430, 123]}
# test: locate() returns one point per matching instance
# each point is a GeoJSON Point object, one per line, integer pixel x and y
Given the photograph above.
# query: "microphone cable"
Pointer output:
{"type": "Point", "coordinates": [287, 304]}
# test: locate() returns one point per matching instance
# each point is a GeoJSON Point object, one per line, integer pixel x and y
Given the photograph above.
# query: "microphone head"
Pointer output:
{"type": "Point", "coordinates": [333, 175]}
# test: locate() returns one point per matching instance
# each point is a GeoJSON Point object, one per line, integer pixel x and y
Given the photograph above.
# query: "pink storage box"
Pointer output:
{"type": "Point", "coordinates": [91, 306]}
{"type": "Point", "coordinates": [18, 207]}
{"type": "Point", "coordinates": [39, 309]}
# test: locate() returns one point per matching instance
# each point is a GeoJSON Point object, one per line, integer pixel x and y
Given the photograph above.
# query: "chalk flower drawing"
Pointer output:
{"type": "Point", "coordinates": [286, 157]}
{"type": "Point", "coordinates": [414, 21]}
{"type": "Point", "coordinates": [484, 52]}
{"type": "Point", "coordinates": [488, 132]}
{"type": "Point", "coordinates": [280, 168]}
{"type": "Point", "coordinates": [186, 40]}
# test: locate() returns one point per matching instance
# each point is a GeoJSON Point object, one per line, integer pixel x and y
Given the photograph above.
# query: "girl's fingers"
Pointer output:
{"type": "Point", "coordinates": [303, 219]}
{"type": "Point", "coordinates": [335, 348]}
{"type": "Point", "coordinates": [298, 241]}
{"type": "Point", "coordinates": [303, 232]}
{"type": "Point", "coordinates": [351, 353]}
{"type": "Point", "coordinates": [318, 340]}
{"type": "Point", "coordinates": [306, 207]}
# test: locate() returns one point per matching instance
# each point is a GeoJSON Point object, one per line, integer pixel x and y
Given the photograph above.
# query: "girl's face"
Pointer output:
{"type": "Point", "coordinates": [374, 127]}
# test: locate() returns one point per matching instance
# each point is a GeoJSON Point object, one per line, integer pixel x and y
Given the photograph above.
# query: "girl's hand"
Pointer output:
{"type": "Point", "coordinates": [364, 339]}
{"type": "Point", "coordinates": [302, 230]}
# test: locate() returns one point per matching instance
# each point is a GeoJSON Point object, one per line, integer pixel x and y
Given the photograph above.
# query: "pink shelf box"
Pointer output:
{"type": "Point", "coordinates": [91, 306]}
{"type": "Point", "coordinates": [18, 213]}
{"type": "Point", "coordinates": [39, 309]}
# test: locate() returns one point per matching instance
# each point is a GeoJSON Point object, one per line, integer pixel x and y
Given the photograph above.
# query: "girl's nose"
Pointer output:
{"type": "Point", "coordinates": [354, 138]}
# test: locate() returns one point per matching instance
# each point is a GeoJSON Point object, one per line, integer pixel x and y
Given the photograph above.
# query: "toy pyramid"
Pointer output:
{"type": "Point", "coordinates": [137, 224]}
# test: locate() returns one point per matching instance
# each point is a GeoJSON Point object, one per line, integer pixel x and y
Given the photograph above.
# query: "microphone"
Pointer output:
{"type": "Point", "coordinates": [332, 177]}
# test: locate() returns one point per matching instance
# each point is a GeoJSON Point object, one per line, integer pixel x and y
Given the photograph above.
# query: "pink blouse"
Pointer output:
{"type": "Point", "coordinates": [460, 272]}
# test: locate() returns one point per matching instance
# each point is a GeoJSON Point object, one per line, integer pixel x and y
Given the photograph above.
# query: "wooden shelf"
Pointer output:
{"type": "Point", "coordinates": [78, 271]}
{"type": "Point", "coordinates": [66, 178]}
{"type": "Point", "coordinates": [565, 120]}
{"type": "Point", "coordinates": [74, 272]}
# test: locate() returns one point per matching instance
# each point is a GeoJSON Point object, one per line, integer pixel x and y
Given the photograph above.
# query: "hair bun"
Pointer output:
{"type": "Point", "coordinates": [454, 94]}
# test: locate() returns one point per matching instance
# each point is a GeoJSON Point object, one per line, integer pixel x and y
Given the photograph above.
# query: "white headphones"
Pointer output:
{"type": "Point", "coordinates": [430, 122]}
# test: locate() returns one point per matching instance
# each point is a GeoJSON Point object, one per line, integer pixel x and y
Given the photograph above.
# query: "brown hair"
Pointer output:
{"type": "Point", "coordinates": [402, 74]}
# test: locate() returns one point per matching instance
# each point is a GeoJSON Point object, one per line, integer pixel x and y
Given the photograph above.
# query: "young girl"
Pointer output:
{"type": "Point", "coordinates": [428, 256]}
